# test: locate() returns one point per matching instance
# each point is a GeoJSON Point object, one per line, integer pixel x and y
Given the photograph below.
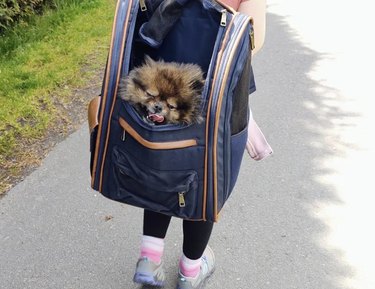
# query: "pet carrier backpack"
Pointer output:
{"type": "Point", "coordinates": [187, 171]}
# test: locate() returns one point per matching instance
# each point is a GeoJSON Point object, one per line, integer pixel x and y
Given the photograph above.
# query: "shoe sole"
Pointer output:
{"type": "Point", "coordinates": [205, 280]}
{"type": "Point", "coordinates": [144, 279]}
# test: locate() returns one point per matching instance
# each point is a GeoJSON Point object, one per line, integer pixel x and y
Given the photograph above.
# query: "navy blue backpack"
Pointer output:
{"type": "Point", "coordinates": [187, 171]}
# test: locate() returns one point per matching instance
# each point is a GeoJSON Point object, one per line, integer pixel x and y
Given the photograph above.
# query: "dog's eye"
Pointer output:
{"type": "Point", "coordinates": [171, 107]}
{"type": "Point", "coordinates": [150, 95]}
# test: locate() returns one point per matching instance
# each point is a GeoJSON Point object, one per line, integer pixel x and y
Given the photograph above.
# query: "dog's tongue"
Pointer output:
{"type": "Point", "coordinates": [155, 117]}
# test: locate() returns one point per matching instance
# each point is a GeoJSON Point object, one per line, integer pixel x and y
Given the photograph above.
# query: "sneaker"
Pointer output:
{"type": "Point", "coordinates": [149, 273]}
{"type": "Point", "coordinates": [207, 268]}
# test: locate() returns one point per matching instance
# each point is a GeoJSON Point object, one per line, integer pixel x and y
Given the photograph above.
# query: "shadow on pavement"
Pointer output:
{"type": "Point", "coordinates": [269, 230]}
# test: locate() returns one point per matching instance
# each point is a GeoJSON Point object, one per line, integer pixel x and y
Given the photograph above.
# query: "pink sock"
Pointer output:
{"type": "Point", "coordinates": [152, 248]}
{"type": "Point", "coordinates": [189, 267]}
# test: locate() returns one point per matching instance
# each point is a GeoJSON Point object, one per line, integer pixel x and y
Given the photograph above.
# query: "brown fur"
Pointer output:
{"type": "Point", "coordinates": [169, 89]}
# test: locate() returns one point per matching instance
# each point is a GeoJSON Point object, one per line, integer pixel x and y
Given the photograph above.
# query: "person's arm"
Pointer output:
{"type": "Point", "coordinates": [257, 10]}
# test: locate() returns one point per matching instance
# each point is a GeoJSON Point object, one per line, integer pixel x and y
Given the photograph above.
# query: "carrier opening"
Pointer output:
{"type": "Point", "coordinates": [200, 28]}
{"type": "Point", "coordinates": [195, 46]}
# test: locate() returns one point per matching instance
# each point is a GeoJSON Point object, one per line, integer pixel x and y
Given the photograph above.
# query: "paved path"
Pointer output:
{"type": "Point", "coordinates": [296, 220]}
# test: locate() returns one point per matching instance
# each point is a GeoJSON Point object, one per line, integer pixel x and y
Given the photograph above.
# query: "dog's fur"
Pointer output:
{"type": "Point", "coordinates": [165, 92]}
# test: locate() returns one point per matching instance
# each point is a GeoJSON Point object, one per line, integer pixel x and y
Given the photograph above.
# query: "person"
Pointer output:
{"type": "Point", "coordinates": [197, 261]}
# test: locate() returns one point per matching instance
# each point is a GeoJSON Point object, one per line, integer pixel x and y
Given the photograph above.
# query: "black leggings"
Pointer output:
{"type": "Point", "coordinates": [196, 233]}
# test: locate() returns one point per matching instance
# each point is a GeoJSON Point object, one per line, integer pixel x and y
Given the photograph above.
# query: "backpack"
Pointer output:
{"type": "Point", "coordinates": [187, 171]}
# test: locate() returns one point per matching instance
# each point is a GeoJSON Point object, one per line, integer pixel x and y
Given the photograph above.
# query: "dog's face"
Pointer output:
{"type": "Point", "coordinates": [165, 92]}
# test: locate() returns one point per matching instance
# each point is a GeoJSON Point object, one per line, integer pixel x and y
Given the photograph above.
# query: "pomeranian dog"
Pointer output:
{"type": "Point", "coordinates": [164, 92]}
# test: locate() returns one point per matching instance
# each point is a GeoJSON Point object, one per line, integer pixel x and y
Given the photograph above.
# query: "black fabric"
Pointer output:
{"type": "Point", "coordinates": [181, 40]}
{"type": "Point", "coordinates": [240, 100]}
{"type": "Point", "coordinates": [196, 233]}
{"type": "Point", "coordinates": [155, 224]}
{"type": "Point", "coordinates": [184, 44]}
{"type": "Point", "coordinates": [93, 136]}
{"type": "Point", "coordinates": [154, 31]}
{"type": "Point", "coordinates": [196, 237]}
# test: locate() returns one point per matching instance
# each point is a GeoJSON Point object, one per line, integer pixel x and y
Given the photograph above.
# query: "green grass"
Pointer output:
{"type": "Point", "coordinates": [42, 61]}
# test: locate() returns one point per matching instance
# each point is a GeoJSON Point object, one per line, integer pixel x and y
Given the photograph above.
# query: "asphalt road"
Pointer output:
{"type": "Point", "coordinates": [300, 219]}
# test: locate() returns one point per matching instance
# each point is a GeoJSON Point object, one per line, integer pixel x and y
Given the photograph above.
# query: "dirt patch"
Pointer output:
{"type": "Point", "coordinates": [30, 152]}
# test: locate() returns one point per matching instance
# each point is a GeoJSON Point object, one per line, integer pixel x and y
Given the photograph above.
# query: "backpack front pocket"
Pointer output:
{"type": "Point", "coordinates": [127, 129]}
{"type": "Point", "coordinates": [168, 192]}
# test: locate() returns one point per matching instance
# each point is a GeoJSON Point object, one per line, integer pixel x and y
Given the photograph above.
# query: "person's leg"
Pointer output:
{"type": "Point", "coordinates": [155, 226]}
{"type": "Point", "coordinates": [196, 237]}
{"type": "Point", "coordinates": [149, 268]}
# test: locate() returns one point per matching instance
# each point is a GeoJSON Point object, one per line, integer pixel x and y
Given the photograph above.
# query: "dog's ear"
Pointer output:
{"type": "Point", "coordinates": [197, 85]}
{"type": "Point", "coordinates": [149, 61]}
{"type": "Point", "coordinates": [134, 77]}
{"type": "Point", "coordinates": [138, 83]}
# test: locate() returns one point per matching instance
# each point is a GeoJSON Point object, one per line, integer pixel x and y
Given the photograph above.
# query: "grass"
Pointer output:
{"type": "Point", "coordinates": [41, 62]}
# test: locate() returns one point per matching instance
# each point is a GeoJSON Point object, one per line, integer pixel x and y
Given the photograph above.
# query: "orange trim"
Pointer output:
{"type": "Point", "coordinates": [115, 93]}
{"type": "Point", "coordinates": [93, 173]}
{"type": "Point", "coordinates": [219, 56]}
{"type": "Point", "coordinates": [217, 119]}
{"type": "Point", "coordinates": [156, 145]}
{"type": "Point", "coordinates": [92, 113]}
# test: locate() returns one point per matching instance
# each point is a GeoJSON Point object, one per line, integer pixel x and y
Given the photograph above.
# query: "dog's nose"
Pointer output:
{"type": "Point", "coordinates": [158, 107]}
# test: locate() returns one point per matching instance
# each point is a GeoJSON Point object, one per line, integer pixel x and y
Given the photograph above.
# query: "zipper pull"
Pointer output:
{"type": "Point", "coordinates": [142, 3]}
{"type": "Point", "coordinates": [223, 21]}
{"type": "Point", "coordinates": [123, 137]}
{"type": "Point", "coordinates": [181, 199]}
{"type": "Point", "coordinates": [252, 38]}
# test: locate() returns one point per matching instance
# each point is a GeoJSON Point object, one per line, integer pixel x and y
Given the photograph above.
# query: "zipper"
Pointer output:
{"type": "Point", "coordinates": [180, 195]}
{"type": "Point", "coordinates": [252, 37]}
{"type": "Point", "coordinates": [127, 129]}
{"type": "Point", "coordinates": [142, 4]}
{"type": "Point", "coordinates": [123, 136]}
{"type": "Point", "coordinates": [226, 144]}
{"type": "Point", "coordinates": [227, 172]}
{"type": "Point", "coordinates": [211, 69]}
{"type": "Point", "coordinates": [104, 127]}
{"type": "Point", "coordinates": [227, 141]}
{"type": "Point", "coordinates": [181, 199]}
{"type": "Point", "coordinates": [212, 121]}
{"type": "Point", "coordinates": [208, 162]}
{"type": "Point", "coordinates": [223, 21]}
{"type": "Point", "coordinates": [129, 40]}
